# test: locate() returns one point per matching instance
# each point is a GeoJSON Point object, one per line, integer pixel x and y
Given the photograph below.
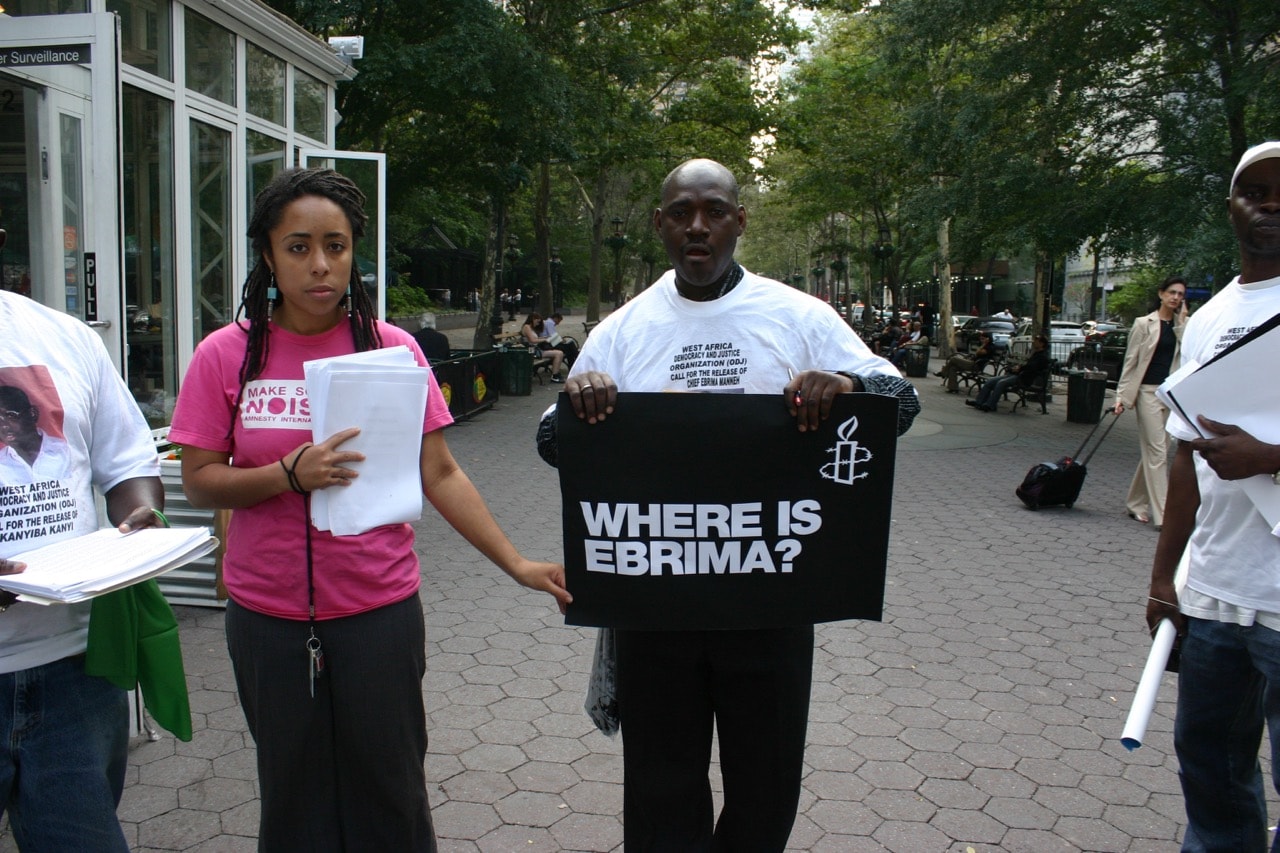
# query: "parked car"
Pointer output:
{"type": "Point", "coordinates": [1102, 351]}
{"type": "Point", "coordinates": [966, 337]}
{"type": "Point", "coordinates": [1064, 336]}
{"type": "Point", "coordinates": [1092, 327]}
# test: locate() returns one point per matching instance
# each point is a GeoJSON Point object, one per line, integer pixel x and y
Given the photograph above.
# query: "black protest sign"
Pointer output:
{"type": "Point", "coordinates": [712, 511]}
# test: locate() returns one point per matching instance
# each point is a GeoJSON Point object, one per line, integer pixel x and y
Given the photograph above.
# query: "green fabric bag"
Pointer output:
{"type": "Point", "coordinates": [133, 640]}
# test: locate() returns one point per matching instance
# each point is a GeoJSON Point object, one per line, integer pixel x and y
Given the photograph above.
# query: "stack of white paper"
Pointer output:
{"type": "Point", "coordinates": [101, 562]}
{"type": "Point", "coordinates": [1240, 389]}
{"type": "Point", "coordinates": [384, 393]}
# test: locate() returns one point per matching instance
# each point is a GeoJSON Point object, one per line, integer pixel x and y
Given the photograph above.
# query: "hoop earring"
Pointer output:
{"type": "Point", "coordinates": [273, 293]}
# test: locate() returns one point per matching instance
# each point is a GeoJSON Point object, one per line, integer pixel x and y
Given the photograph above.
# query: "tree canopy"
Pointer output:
{"type": "Point", "coordinates": [962, 130]}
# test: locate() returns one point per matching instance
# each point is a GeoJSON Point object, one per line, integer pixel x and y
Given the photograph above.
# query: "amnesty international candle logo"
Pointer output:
{"type": "Point", "coordinates": [706, 511]}
{"type": "Point", "coordinates": [275, 404]}
{"type": "Point", "coordinates": [848, 456]}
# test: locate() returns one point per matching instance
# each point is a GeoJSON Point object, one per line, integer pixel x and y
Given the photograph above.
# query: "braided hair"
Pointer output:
{"type": "Point", "coordinates": [255, 307]}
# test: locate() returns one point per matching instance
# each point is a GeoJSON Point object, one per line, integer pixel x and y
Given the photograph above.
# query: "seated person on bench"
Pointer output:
{"type": "Point", "coordinates": [534, 333]}
{"type": "Point", "coordinates": [1024, 375]}
{"type": "Point", "coordinates": [958, 363]}
{"type": "Point", "coordinates": [566, 345]}
{"type": "Point", "coordinates": [915, 338]}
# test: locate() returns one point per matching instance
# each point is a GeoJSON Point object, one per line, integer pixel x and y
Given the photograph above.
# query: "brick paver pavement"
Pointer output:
{"type": "Point", "coordinates": [982, 714]}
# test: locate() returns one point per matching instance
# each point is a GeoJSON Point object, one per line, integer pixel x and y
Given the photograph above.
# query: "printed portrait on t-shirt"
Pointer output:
{"type": "Point", "coordinates": [32, 446]}
{"type": "Point", "coordinates": [35, 460]}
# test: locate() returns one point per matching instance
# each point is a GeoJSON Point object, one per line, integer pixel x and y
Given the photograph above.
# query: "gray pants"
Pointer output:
{"type": "Point", "coordinates": [341, 771]}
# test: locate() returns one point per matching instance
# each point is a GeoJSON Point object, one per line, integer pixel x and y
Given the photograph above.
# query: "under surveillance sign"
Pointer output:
{"type": "Point", "coordinates": [712, 511]}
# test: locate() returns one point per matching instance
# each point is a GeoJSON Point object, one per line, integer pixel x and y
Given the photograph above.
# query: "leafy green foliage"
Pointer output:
{"type": "Point", "coordinates": [405, 300]}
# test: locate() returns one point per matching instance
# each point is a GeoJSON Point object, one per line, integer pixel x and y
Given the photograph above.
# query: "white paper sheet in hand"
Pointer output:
{"type": "Point", "coordinates": [387, 406]}
{"type": "Point", "coordinates": [1239, 389]}
{"type": "Point", "coordinates": [383, 392]}
{"type": "Point", "coordinates": [317, 373]}
{"type": "Point", "coordinates": [87, 566]}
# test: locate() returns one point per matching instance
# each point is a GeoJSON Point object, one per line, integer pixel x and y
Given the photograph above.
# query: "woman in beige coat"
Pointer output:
{"type": "Point", "coordinates": [1151, 356]}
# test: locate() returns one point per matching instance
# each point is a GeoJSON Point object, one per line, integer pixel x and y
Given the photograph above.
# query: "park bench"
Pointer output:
{"type": "Point", "coordinates": [541, 363]}
{"type": "Point", "coordinates": [1036, 392]}
{"type": "Point", "coordinates": [989, 369]}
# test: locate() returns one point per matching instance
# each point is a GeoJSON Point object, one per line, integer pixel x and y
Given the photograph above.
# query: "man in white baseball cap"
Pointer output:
{"type": "Point", "coordinates": [1261, 151]}
{"type": "Point", "coordinates": [1228, 613]}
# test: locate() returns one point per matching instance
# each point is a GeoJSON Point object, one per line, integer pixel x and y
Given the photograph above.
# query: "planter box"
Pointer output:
{"type": "Point", "coordinates": [198, 583]}
{"type": "Point", "coordinates": [469, 381]}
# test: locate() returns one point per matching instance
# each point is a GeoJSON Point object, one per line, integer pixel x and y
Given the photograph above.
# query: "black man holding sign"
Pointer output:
{"type": "Point", "coordinates": [682, 541]}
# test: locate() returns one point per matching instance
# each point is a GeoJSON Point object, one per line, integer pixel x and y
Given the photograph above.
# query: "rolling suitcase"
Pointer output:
{"type": "Point", "coordinates": [1053, 483]}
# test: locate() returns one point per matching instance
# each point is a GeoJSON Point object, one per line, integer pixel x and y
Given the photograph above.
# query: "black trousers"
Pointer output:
{"type": "Point", "coordinates": [340, 772]}
{"type": "Point", "coordinates": [673, 686]}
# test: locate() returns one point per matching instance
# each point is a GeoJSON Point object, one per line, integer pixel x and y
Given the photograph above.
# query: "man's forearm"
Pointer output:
{"type": "Point", "coordinates": [1179, 516]}
{"type": "Point", "coordinates": [130, 494]}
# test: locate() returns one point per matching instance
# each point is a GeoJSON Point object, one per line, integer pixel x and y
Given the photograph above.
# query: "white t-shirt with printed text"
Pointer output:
{"type": "Point", "coordinates": [106, 439]}
{"type": "Point", "coordinates": [1234, 567]}
{"type": "Point", "coordinates": [751, 340]}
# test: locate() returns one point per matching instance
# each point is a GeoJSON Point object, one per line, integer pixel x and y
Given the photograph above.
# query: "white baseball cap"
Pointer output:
{"type": "Point", "coordinates": [1261, 151]}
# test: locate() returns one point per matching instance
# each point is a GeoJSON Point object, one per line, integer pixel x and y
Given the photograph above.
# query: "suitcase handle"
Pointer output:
{"type": "Point", "coordinates": [1085, 461]}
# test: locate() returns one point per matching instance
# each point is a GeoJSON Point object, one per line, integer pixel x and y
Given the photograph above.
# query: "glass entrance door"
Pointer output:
{"type": "Point", "coordinates": [58, 169]}
{"type": "Point", "coordinates": [42, 200]}
{"type": "Point", "coordinates": [15, 197]}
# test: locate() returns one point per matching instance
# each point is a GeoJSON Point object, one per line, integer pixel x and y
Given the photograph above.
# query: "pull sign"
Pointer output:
{"type": "Point", "coordinates": [90, 286]}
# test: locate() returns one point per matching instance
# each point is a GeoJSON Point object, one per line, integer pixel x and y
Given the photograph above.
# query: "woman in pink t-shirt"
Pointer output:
{"type": "Point", "coordinates": [325, 632]}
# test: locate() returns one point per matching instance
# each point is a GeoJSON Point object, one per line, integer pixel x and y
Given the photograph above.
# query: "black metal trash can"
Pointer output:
{"type": "Point", "coordinates": [517, 372]}
{"type": "Point", "coordinates": [917, 361]}
{"type": "Point", "coordinates": [1085, 393]}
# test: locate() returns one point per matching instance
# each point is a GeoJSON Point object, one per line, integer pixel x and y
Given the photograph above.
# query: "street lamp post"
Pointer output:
{"type": "Point", "coordinates": [838, 278]}
{"type": "Point", "coordinates": [557, 294]}
{"type": "Point", "coordinates": [617, 243]}
{"type": "Point", "coordinates": [818, 272]}
{"type": "Point", "coordinates": [882, 250]}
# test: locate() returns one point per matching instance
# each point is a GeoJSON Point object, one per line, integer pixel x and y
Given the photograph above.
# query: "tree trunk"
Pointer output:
{"type": "Point", "coordinates": [597, 238]}
{"type": "Point", "coordinates": [942, 334]}
{"type": "Point", "coordinates": [1093, 283]}
{"type": "Point", "coordinates": [542, 240]}
{"type": "Point", "coordinates": [1043, 294]}
{"type": "Point", "coordinates": [482, 338]}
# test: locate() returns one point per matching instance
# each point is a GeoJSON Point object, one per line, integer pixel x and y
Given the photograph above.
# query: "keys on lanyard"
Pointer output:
{"type": "Point", "coordinates": [315, 661]}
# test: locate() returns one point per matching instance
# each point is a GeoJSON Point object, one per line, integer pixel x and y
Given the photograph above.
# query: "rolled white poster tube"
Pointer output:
{"type": "Point", "coordinates": [1144, 699]}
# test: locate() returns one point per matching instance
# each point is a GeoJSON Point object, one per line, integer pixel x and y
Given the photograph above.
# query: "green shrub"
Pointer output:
{"type": "Point", "coordinates": [405, 300]}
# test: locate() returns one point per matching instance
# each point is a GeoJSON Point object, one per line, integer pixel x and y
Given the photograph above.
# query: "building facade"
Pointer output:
{"type": "Point", "coordinates": [134, 135]}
